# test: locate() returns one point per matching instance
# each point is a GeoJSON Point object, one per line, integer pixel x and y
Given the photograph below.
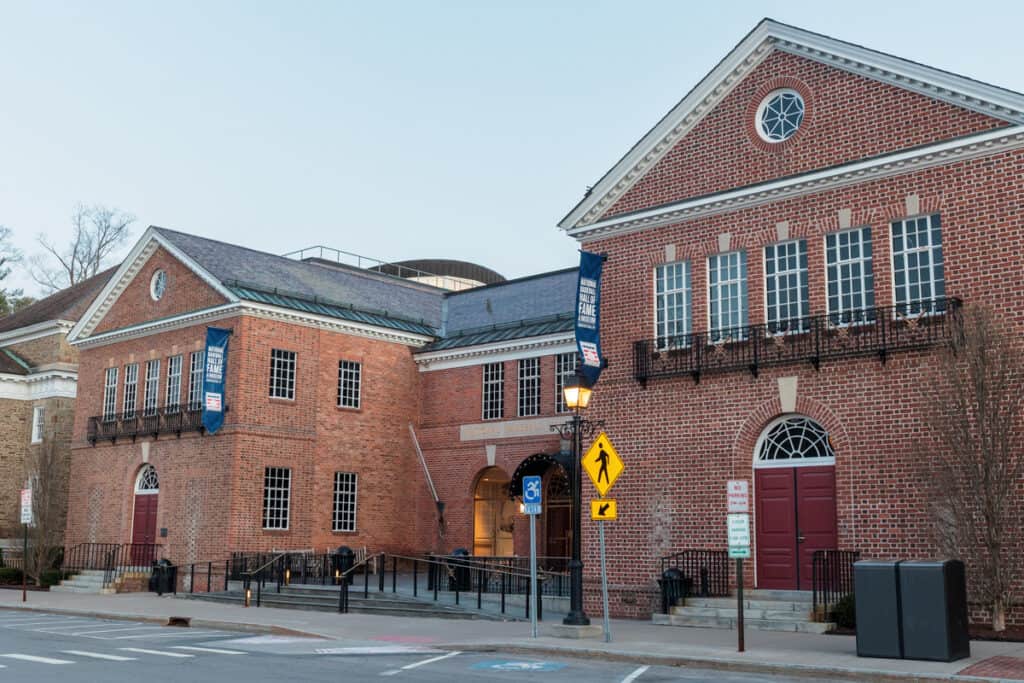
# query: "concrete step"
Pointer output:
{"type": "Point", "coordinates": [730, 603]}
{"type": "Point", "coordinates": [724, 613]}
{"type": "Point", "coordinates": [772, 594]}
{"type": "Point", "coordinates": [92, 590]}
{"type": "Point", "coordinates": [730, 623]}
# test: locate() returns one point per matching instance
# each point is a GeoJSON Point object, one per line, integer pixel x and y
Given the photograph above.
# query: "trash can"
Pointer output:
{"type": "Point", "coordinates": [346, 559]}
{"type": "Point", "coordinates": [154, 578]}
{"type": "Point", "coordinates": [458, 576]}
{"type": "Point", "coordinates": [876, 585]}
{"type": "Point", "coordinates": [163, 578]}
{"type": "Point", "coordinates": [673, 589]}
{"type": "Point", "coordinates": [933, 607]}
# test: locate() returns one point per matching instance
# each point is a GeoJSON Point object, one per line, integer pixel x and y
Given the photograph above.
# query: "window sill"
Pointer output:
{"type": "Point", "coordinates": [276, 531]}
{"type": "Point", "coordinates": [282, 401]}
{"type": "Point", "coordinates": [344, 533]}
{"type": "Point", "coordinates": [348, 409]}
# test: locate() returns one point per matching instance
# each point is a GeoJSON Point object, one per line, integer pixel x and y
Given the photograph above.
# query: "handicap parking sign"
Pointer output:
{"type": "Point", "coordinates": [531, 495]}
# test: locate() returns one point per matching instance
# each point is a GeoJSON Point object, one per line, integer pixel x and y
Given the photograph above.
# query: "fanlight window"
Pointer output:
{"type": "Point", "coordinates": [795, 440]}
{"type": "Point", "coordinates": [147, 481]}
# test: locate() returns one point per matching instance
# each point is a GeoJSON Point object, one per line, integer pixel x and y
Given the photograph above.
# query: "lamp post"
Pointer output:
{"type": "Point", "coordinates": [577, 396]}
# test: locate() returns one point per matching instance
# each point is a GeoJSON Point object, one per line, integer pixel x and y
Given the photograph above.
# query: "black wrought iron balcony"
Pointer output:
{"type": "Point", "coordinates": [167, 420]}
{"type": "Point", "coordinates": [871, 331]}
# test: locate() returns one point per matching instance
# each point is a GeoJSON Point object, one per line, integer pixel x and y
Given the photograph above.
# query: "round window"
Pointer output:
{"type": "Point", "coordinates": [158, 285]}
{"type": "Point", "coordinates": [780, 115]}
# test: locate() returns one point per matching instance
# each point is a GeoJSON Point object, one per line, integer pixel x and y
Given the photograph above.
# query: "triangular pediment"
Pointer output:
{"type": "Point", "coordinates": [770, 41]}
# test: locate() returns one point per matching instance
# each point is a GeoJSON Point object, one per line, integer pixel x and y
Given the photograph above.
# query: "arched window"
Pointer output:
{"type": "Point", "coordinates": [147, 483]}
{"type": "Point", "coordinates": [793, 441]}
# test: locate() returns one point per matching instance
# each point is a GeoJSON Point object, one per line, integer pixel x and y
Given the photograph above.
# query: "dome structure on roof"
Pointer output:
{"type": "Point", "coordinates": [444, 273]}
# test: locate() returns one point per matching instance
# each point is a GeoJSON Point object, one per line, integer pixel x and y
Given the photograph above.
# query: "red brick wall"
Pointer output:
{"type": "Point", "coordinates": [847, 117]}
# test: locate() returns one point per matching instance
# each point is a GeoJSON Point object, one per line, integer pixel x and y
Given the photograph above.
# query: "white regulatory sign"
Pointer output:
{"type": "Point", "coordinates": [737, 495]}
{"type": "Point", "coordinates": [26, 506]}
{"type": "Point", "coordinates": [739, 530]}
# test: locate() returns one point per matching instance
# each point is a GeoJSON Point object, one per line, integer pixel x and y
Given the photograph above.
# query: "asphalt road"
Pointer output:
{"type": "Point", "coordinates": [42, 648]}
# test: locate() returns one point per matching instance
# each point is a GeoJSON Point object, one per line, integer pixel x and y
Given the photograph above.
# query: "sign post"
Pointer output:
{"type": "Point", "coordinates": [604, 466]}
{"type": "Point", "coordinates": [532, 506]}
{"type": "Point", "coordinates": [737, 494]}
{"type": "Point", "coordinates": [26, 519]}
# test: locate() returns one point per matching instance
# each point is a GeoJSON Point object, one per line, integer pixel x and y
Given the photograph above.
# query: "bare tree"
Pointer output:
{"type": "Point", "coordinates": [48, 469]}
{"type": "Point", "coordinates": [976, 467]}
{"type": "Point", "coordinates": [97, 231]}
{"type": "Point", "coordinates": [10, 299]}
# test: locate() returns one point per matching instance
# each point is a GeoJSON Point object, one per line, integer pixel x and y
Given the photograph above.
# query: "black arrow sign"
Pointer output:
{"type": "Point", "coordinates": [602, 509]}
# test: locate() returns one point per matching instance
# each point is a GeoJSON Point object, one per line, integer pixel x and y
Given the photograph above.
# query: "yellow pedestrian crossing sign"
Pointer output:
{"type": "Point", "coordinates": [602, 463]}
{"type": "Point", "coordinates": [603, 510]}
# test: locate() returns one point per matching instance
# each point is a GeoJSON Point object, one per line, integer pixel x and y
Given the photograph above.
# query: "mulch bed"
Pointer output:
{"type": "Point", "coordinates": [17, 586]}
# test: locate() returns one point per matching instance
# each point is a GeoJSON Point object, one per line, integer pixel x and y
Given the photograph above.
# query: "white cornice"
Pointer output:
{"type": "Point", "coordinates": [983, 144]}
{"type": "Point", "coordinates": [38, 386]}
{"type": "Point", "coordinates": [766, 37]}
{"type": "Point", "coordinates": [528, 347]}
{"type": "Point", "coordinates": [29, 333]}
{"type": "Point", "coordinates": [146, 329]}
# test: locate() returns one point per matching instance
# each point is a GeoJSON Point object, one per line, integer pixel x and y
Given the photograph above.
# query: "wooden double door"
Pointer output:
{"type": "Point", "coordinates": [796, 515]}
{"type": "Point", "coordinates": [144, 529]}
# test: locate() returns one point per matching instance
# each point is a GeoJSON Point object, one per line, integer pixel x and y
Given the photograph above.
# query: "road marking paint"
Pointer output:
{"type": "Point", "coordinates": [420, 663]}
{"type": "Point", "coordinates": [206, 649]}
{"type": "Point", "coordinates": [55, 629]}
{"type": "Point", "coordinates": [99, 655]}
{"type": "Point", "coordinates": [154, 652]}
{"type": "Point", "coordinates": [635, 675]}
{"type": "Point", "coordinates": [40, 660]}
{"type": "Point", "coordinates": [36, 622]}
{"type": "Point", "coordinates": [112, 630]}
{"type": "Point", "coordinates": [180, 633]}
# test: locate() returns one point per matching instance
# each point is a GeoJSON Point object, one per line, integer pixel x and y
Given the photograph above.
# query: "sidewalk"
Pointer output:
{"type": "Point", "coordinates": [767, 652]}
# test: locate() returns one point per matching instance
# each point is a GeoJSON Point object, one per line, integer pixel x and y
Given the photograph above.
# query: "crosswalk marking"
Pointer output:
{"type": "Point", "coordinates": [40, 660]}
{"type": "Point", "coordinates": [155, 652]}
{"type": "Point", "coordinates": [181, 633]}
{"type": "Point", "coordinates": [206, 649]}
{"type": "Point", "coordinates": [99, 655]}
{"type": "Point", "coordinates": [112, 630]}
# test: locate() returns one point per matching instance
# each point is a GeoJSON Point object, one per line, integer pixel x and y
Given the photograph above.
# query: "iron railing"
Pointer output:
{"type": "Point", "coordinates": [705, 571]}
{"type": "Point", "coordinates": [113, 559]}
{"type": "Point", "coordinates": [167, 420]}
{"type": "Point", "coordinates": [831, 578]}
{"type": "Point", "coordinates": [509, 574]}
{"type": "Point", "coordinates": [872, 331]}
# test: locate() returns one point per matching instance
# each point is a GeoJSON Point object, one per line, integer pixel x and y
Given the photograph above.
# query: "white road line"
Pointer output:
{"type": "Point", "coordinates": [37, 622]}
{"type": "Point", "coordinates": [635, 675]}
{"type": "Point", "coordinates": [420, 663]}
{"type": "Point", "coordinates": [154, 652]}
{"type": "Point", "coordinates": [206, 649]}
{"type": "Point", "coordinates": [112, 630]}
{"type": "Point", "coordinates": [183, 633]}
{"type": "Point", "coordinates": [54, 629]}
{"type": "Point", "coordinates": [40, 660]}
{"type": "Point", "coordinates": [99, 655]}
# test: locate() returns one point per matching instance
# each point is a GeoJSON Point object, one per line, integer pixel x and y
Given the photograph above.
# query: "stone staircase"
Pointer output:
{"type": "Point", "coordinates": [87, 581]}
{"type": "Point", "coordinates": [763, 610]}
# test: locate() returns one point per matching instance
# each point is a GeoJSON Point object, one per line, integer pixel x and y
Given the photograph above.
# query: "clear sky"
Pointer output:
{"type": "Point", "coordinates": [390, 129]}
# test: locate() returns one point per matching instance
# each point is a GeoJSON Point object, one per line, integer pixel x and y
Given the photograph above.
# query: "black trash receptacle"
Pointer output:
{"type": "Point", "coordinates": [877, 591]}
{"type": "Point", "coordinates": [346, 559]}
{"type": "Point", "coordinates": [154, 578]}
{"type": "Point", "coordinates": [933, 607]}
{"type": "Point", "coordinates": [459, 577]}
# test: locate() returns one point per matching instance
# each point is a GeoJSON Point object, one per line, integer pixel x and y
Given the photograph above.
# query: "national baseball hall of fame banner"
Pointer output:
{"type": "Point", "coordinates": [588, 316]}
{"type": "Point", "coordinates": [216, 361]}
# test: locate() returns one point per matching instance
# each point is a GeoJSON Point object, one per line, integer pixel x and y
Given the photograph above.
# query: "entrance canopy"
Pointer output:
{"type": "Point", "coordinates": [536, 464]}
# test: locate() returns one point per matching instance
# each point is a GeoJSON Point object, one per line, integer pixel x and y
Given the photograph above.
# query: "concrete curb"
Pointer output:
{"type": "Point", "coordinates": [716, 663]}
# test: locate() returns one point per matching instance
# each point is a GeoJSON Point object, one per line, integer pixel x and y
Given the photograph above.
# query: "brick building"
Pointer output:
{"type": "Point", "coordinates": [783, 247]}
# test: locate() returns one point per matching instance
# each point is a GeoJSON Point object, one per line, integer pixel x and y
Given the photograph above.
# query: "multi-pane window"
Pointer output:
{"type": "Point", "coordinates": [918, 277]}
{"type": "Point", "coordinates": [529, 387]}
{"type": "Point", "coordinates": [282, 374]}
{"type": "Point", "coordinates": [349, 383]}
{"type": "Point", "coordinates": [494, 391]}
{"type": "Point", "coordinates": [672, 304]}
{"type": "Point", "coordinates": [565, 367]}
{"type": "Point", "coordinates": [727, 296]}
{"type": "Point", "coordinates": [38, 418]}
{"type": "Point", "coordinates": [196, 368]}
{"type": "Point", "coordinates": [110, 395]}
{"type": "Point", "coordinates": [786, 296]}
{"type": "Point", "coordinates": [277, 488]}
{"type": "Point", "coordinates": [173, 396]}
{"type": "Point", "coordinates": [149, 397]}
{"type": "Point", "coordinates": [131, 389]}
{"type": "Point", "coordinates": [344, 517]}
{"type": "Point", "coordinates": [851, 282]}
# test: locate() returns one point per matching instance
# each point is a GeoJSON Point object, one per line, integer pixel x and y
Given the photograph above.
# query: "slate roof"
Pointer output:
{"type": "Point", "coordinates": [537, 327]}
{"type": "Point", "coordinates": [67, 304]}
{"type": "Point", "coordinates": [529, 298]}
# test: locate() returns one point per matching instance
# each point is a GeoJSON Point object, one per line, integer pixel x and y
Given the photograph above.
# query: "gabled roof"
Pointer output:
{"type": "Point", "coordinates": [766, 37]}
{"type": "Point", "coordinates": [67, 304]}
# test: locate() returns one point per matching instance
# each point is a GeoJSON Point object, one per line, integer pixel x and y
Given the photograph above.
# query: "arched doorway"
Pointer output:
{"type": "Point", "coordinates": [795, 500]}
{"type": "Point", "coordinates": [147, 494]}
{"type": "Point", "coordinates": [493, 514]}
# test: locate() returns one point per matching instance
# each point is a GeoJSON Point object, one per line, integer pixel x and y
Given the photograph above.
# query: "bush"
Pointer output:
{"type": "Point", "coordinates": [10, 575]}
{"type": "Point", "coordinates": [844, 612]}
{"type": "Point", "coordinates": [50, 577]}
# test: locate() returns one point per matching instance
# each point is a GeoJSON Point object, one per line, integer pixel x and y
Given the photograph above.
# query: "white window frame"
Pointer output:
{"type": "Point", "coordinates": [672, 293]}
{"type": "Point", "coordinates": [38, 422]}
{"type": "Point", "coordinates": [151, 389]}
{"type": "Point", "coordinates": [350, 384]}
{"type": "Point", "coordinates": [906, 306]}
{"type": "Point", "coordinates": [196, 370]}
{"type": "Point", "coordinates": [528, 395]}
{"type": "Point", "coordinates": [715, 331]}
{"type": "Point", "coordinates": [850, 287]}
{"type": "Point", "coordinates": [493, 394]}
{"type": "Point", "coordinates": [131, 390]}
{"type": "Point", "coordinates": [346, 497]}
{"type": "Point", "coordinates": [780, 279]}
{"type": "Point", "coordinates": [277, 494]}
{"type": "Point", "coordinates": [565, 367]}
{"type": "Point", "coordinates": [110, 395]}
{"type": "Point", "coordinates": [172, 395]}
{"type": "Point", "coordinates": [283, 365]}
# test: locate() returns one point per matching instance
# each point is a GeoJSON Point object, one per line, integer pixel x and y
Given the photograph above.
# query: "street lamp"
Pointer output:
{"type": "Point", "coordinates": [576, 392]}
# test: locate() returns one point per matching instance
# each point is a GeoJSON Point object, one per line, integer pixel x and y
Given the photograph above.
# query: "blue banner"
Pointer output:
{"type": "Point", "coordinates": [216, 363]}
{"type": "Point", "coordinates": [588, 315]}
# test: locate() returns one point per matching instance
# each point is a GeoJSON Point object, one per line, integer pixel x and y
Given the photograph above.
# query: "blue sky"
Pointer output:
{"type": "Point", "coordinates": [390, 129]}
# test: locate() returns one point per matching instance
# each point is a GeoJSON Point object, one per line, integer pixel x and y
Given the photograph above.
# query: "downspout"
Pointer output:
{"type": "Point", "coordinates": [430, 484]}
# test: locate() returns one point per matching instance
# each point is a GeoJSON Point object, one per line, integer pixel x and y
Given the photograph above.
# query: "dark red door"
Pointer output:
{"type": "Point", "coordinates": [144, 529]}
{"type": "Point", "coordinates": [796, 515]}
